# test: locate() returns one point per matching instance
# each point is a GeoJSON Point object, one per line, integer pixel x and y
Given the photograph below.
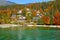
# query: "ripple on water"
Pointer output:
{"type": "Point", "coordinates": [29, 34]}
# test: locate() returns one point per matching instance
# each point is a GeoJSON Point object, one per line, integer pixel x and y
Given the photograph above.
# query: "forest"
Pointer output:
{"type": "Point", "coordinates": [40, 13]}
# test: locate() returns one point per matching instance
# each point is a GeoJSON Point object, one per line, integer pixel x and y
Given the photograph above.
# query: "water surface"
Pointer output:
{"type": "Point", "coordinates": [34, 34]}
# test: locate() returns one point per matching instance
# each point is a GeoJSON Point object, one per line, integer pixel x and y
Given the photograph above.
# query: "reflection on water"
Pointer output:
{"type": "Point", "coordinates": [36, 34]}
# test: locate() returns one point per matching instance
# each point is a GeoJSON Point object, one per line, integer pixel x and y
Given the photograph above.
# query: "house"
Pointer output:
{"type": "Point", "coordinates": [27, 9]}
{"type": "Point", "coordinates": [13, 18]}
{"type": "Point", "coordinates": [20, 11]}
{"type": "Point", "coordinates": [35, 19]}
{"type": "Point", "coordinates": [21, 19]}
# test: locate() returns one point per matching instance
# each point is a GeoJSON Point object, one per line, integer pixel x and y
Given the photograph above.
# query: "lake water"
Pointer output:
{"type": "Point", "coordinates": [36, 34]}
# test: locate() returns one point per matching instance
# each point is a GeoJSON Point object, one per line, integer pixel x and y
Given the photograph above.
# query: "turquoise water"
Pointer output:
{"type": "Point", "coordinates": [29, 34]}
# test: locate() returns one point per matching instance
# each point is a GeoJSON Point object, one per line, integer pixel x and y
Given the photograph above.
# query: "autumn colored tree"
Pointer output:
{"type": "Point", "coordinates": [57, 17]}
{"type": "Point", "coordinates": [34, 13]}
{"type": "Point", "coordinates": [46, 19]}
{"type": "Point", "coordinates": [41, 10]}
{"type": "Point", "coordinates": [9, 12]}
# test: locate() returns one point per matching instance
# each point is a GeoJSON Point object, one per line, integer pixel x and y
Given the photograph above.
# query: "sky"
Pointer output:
{"type": "Point", "coordinates": [27, 1]}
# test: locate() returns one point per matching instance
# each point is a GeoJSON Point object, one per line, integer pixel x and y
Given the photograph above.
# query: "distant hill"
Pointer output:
{"type": "Point", "coordinates": [5, 3]}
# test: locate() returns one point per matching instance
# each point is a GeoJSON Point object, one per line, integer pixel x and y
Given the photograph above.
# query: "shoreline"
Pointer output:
{"type": "Point", "coordinates": [15, 25]}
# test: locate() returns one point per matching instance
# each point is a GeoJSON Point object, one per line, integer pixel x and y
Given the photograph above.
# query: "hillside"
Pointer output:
{"type": "Point", "coordinates": [49, 11]}
{"type": "Point", "coordinates": [11, 5]}
{"type": "Point", "coordinates": [6, 3]}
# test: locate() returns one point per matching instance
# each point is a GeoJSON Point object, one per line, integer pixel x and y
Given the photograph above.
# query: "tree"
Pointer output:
{"type": "Point", "coordinates": [33, 13]}
{"type": "Point", "coordinates": [57, 17]}
{"type": "Point", "coordinates": [46, 19]}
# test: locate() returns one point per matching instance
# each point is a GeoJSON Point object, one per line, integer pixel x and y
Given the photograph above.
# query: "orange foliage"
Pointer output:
{"type": "Point", "coordinates": [41, 10]}
{"type": "Point", "coordinates": [46, 19]}
{"type": "Point", "coordinates": [49, 8]}
{"type": "Point", "coordinates": [34, 13]}
{"type": "Point", "coordinates": [9, 12]}
{"type": "Point", "coordinates": [29, 6]}
{"type": "Point", "coordinates": [57, 18]}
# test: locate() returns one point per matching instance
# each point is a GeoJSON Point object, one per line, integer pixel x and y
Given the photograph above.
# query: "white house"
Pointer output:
{"type": "Point", "coordinates": [27, 9]}
{"type": "Point", "coordinates": [39, 14]}
{"type": "Point", "coordinates": [20, 11]}
{"type": "Point", "coordinates": [38, 11]}
{"type": "Point", "coordinates": [21, 19]}
{"type": "Point", "coordinates": [13, 16]}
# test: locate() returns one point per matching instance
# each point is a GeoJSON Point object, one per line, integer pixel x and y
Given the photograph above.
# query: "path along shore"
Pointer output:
{"type": "Point", "coordinates": [15, 25]}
